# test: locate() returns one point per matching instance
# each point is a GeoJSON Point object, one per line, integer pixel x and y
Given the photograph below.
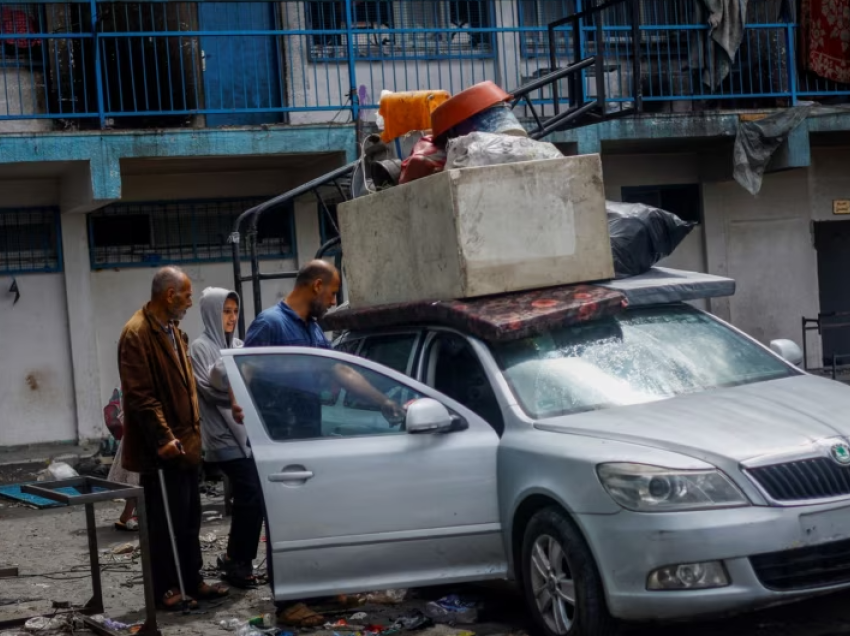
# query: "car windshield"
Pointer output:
{"type": "Point", "coordinates": [643, 355]}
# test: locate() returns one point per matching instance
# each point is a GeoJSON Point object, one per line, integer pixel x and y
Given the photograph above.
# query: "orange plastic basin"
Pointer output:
{"type": "Point", "coordinates": [465, 104]}
{"type": "Point", "coordinates": [408, 111]}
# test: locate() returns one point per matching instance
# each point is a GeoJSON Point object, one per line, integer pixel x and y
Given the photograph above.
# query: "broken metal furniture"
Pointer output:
{"type": "Point", "coordinates": [826, 322]}
{"type": "Point", "coordinates": [91, 491]}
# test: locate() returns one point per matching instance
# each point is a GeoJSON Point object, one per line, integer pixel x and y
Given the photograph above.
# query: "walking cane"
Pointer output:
{"type": "Point", "coordinates": [183, 598]}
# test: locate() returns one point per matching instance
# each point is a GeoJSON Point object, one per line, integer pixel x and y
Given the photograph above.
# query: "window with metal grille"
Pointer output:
{"type": "Point", "coordinates": [154, 233]}
{"type": "Point", "coordinates": [433, 29]}
{"type": "Point", "coordinates": [30, 240]}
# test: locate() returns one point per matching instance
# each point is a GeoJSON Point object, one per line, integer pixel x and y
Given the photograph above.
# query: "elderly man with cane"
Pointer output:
{"type": "Point", "coordinates": [162, 438]}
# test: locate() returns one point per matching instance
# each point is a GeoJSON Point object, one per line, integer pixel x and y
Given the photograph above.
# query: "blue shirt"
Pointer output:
{"type": "Point", "coordinates": [280, 326]}
{"type": "Point", "coordinates": [287, 394]}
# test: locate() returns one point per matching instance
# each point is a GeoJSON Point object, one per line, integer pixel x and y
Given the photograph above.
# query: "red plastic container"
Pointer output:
{"type": "Point", "coordinates": [464, 105]}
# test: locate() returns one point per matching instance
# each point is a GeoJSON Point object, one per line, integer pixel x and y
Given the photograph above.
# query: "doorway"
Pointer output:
{"type": "Point", "coordinates": [832, 242]}
{"type": "Point", "coordinates": [241, 72]}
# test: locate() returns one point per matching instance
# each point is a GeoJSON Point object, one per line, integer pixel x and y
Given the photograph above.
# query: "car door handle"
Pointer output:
{"type": "Point", "coordinates": [293, 475]}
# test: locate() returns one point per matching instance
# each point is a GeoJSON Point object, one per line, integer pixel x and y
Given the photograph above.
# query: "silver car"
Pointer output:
{"type": "Point", "coordinates": [657, 464]}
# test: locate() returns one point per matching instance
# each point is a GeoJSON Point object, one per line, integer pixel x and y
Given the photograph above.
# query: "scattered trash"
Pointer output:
{"type": "Point", "coordinates": [57, 471]}
{"type": "Point", "coordinates": [231, 624]}
{"type": "Point", "coordinates": [212, 515]}
{"type": "Point", "coordinates": [44, 624]}
{"type": "Point", "coordinates": [210, 537]}
{"type": "Point", "coordinates": [358, 617]}
{"type": "Point", "coordinates": [451, 610]}
{"type": "Point", "coordinates": [266, 621]}
{"type": "Point", "coordinates": [387, 597]}
{"type": "Point", "coordinates": [125, 548]}
{"type": "Point", "coordinates": [412, 622]}
{"type": "Point", "coordinates": [115, 626]}
{"type": "Point", "coordinates": [343, 625]}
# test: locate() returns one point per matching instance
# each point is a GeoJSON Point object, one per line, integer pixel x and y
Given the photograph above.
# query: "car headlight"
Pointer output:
{"type": "Point", "coordinates": [645, 488]}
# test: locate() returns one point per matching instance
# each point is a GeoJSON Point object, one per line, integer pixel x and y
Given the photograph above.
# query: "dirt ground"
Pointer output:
{"type": "Point", "coordinates": [50, 548]}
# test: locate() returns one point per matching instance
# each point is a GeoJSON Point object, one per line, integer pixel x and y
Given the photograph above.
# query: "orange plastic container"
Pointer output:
{"type": "Point", "coordinates": [408, 111]}
{"type": "Point", "coordinates": [466, 104]}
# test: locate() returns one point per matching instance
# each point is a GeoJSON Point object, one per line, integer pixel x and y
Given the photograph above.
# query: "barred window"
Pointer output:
{"type": "Point", "coordinates": [30, 240]}
{"type": "Point", "coordinates": [433, 29]}
{"type": "Point", "coordinates": [156, 233]}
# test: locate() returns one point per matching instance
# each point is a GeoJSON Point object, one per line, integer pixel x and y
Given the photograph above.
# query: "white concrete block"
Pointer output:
{"type": "Point", "coordinates": [478, 231]}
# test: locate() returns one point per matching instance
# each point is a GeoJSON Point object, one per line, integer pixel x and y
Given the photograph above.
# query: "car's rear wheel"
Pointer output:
{"type": "Point", "coordinates": [561, 582]}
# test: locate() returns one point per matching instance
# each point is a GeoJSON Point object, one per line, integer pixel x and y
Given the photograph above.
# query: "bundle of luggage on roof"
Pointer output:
{"type": "Point", "coordinates": [453, 200]}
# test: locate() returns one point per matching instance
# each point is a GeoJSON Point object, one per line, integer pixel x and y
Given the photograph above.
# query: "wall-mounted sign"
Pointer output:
{"type": "Point", "coordinates": [841, 206]}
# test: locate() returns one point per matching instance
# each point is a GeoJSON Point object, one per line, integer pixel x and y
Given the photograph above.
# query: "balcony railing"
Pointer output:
{"type": "Point", "coordinates": [98, 64]}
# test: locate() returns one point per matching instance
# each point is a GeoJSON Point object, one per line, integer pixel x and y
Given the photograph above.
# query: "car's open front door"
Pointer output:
{"type": "Point", "coordinates": [354, 502]}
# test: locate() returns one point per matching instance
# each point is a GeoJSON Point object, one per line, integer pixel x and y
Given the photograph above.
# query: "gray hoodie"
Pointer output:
{"type": "Point", "coordinates": [223, 439]}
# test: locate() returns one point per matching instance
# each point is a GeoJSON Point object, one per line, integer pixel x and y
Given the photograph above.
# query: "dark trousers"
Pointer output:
{"type": "Point", "coordinates": [247, 515]}
{"type": "Point", "coordinates": [184, 502]}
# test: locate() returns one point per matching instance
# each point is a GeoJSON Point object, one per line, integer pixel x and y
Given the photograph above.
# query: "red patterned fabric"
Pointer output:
{"type": "Point", "coordinates": [16, 20]}
{"type": "Point", "coordinates": [826, 38]}
{"type": "Point", "coordinates": [494, 318]}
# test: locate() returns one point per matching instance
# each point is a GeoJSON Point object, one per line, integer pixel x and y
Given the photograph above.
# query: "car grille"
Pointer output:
{"type": "Point", "coordinates": [804, 568]}
{"type": "Point", "coordinates": [816, 478]}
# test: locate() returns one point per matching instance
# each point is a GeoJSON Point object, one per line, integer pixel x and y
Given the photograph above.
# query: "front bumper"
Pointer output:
{"type": "Point", "coordinates": [628, 546]}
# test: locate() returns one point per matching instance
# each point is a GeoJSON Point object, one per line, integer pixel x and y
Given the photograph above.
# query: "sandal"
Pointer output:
{"type": "Point", "coordinates": [299, 615]}
{"type": "Point", "coordinates": [131, 525]}
{"type": "Point", "coordinates": [172, 602]}
{"type": "Point", "coordinates": [239, 575]}
{"type": "Point", "coordinates": [217, 590]}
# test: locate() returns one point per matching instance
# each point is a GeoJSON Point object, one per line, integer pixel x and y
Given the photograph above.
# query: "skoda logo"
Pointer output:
{"type": "Point", "coordinates": [840, 453]}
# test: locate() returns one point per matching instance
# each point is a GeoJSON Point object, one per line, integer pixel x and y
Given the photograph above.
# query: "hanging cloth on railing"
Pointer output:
{"type": "Point", "coordinates": [826, 38]}
{"type": "Point", "coordinates": [16, 19]}
{"type": "Point", "coordinates": [716, 48]}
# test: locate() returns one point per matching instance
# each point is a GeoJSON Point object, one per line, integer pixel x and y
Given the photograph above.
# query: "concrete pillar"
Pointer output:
{"type": "Point", "coordinates": [82, 326]}
{"type": "Point", "coordinates": [76, 196]}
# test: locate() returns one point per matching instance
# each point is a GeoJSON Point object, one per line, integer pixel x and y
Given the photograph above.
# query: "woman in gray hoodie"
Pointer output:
{"type": "Point", "coordinates": [224, 441]}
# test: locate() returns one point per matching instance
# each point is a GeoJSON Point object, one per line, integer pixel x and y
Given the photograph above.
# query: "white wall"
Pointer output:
{"type": "Point", "coordinates": [828, 181]}
{"type": "Point", "coordinates": [764, 243]}
{"type": "Point", "coordinates": [36, 382]}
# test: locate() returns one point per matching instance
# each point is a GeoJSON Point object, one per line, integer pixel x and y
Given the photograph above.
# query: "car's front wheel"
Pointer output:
{"type": "Point", "coordinates": [560, 579]}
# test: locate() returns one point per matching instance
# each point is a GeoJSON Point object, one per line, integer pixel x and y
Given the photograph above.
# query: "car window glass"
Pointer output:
{"type": "Point", "coordinates": [291, 393]}
{"type": "Point", "coordinates": [348, 346]}
{"type": "Point", "coordinates": [392, 351]}
{"type": "Point", "coordinates": [641, 356]}
{"type": "Point", "coordinates": [455, 370]}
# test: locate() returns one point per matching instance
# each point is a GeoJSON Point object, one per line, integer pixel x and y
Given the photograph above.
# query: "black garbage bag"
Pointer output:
{"type": "Point", "coordinates": [642, 235]}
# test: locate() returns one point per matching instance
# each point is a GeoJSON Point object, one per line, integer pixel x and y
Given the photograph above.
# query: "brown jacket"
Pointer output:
{"type": "Point", "coordinates": [160, 402]}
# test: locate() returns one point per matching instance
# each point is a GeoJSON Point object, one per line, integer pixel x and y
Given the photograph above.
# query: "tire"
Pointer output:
{"type": "Point", "coordinates": [551, 532]}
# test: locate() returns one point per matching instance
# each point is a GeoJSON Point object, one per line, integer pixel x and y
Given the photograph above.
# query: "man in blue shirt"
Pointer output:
{"type": "Point", "coordinates": [291, 396]}
{"type": "Point", "coordinates": [293, 322]}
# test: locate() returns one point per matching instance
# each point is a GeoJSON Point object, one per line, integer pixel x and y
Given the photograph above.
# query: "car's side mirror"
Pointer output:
{"type": "Point", "coordinates": [427, 415]}
{"type": "Point", "coordinates": [788, 350]}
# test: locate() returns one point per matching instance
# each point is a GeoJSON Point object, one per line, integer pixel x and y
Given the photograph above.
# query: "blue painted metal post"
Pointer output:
{"type": "Point", "coordinates": [792, 59]}
{"type": "Point", "coordinates": [98, 74]}
{"type": "Point", "coordinates": [352, 70]}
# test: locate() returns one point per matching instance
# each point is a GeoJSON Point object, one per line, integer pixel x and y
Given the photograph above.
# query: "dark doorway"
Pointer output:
{"type": "Point", "coordinates": [832, 242]}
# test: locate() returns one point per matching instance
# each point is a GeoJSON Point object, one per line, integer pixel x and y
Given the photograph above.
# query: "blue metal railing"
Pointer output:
{"type": "Point", "coordinates": [92, 63]}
